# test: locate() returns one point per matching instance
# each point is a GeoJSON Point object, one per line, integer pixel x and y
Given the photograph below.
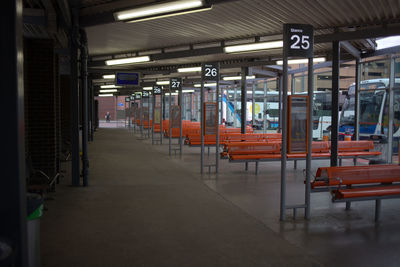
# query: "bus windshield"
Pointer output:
{"type": "Point", "coordinates": [370, 105]}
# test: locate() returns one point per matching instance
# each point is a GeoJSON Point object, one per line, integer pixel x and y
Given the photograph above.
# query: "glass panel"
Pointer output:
{"type": "Point", "coordinates": [375, 70]}
{"type": "Point", "coordinates": [396, 109]}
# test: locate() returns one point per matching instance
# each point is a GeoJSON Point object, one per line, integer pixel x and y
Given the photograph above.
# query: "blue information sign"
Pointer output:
{"type": "Point", "coordinates": [121, 104]}
{"type": "Point", "coordinates": [127, 78]}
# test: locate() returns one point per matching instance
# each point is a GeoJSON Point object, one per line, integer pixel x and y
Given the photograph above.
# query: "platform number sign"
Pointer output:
{"type": "Point", "coordinates": [145, 94]}
{"type": "Point", "coordinates": [298, 40]}
{"type": "Point", "coordinates": [210, 71]}
{"type": "Point", "coordinates": [138, 96]}
{"type": "Point", "coordinates": [132, 98]}
{"type": "Point", "coordinates": [157, 90]}
{"type": "Point", "coordinates": [127, 99]}
{"type": "Point", "coordinates": [176, 84]}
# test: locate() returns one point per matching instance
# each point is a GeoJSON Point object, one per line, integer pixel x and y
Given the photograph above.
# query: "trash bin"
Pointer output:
{"type": "Point", "coordinates": [381, 145]}
{"type": "Point", "coordinates": [6, 254]}
{"type": "Point", "coordinates": [35, 211]}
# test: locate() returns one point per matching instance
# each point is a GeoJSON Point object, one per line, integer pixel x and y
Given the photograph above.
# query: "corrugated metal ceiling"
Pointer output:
{"type": "Point", "coordinates": [237, 19]}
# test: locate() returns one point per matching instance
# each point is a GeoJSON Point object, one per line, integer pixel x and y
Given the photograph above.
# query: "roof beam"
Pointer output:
{"type": "Point", "coordinates": [34, 16]}
{"type": "Point", "coordinates": [374, 32]}
{"type": "Point", "coordinates": [385, 51]}
{"type": "Point", "coordinates": [350, 49]}
{"type": "Point", "coordinates": [254, 71]}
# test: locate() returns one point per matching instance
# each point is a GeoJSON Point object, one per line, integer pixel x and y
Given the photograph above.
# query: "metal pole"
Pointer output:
{"type": "Point", "coordinates": [141, 116]}
{"type": "Point", "coordinates": [253, 104]}
{"type": "Point", "coordinates": [357, 101]}
{"type": "Point", "coordinates": [221, 101]}
{"type": "Point", "coordinates": [235, 107]}
{"type": "Point", "coordinates": [217, 134]}
{"type": "Point", "coordinates": [292, 84]}
{"type": "Point", "coordinates": [75, 164]}
{"type": "Point", "coordinates": [227, 107]}
{"type": "Point", "coordinates": [13, 181]}
{"type": "Point", "coordinates": [161, 117]}
{"type": "Point", "coordinates": [84, 74]}
{"type": "Point", "coordinates": [265, 107]}
{"type": "Point", "coordinates": [243, 95]}
{"type": "Point", "coordinates": [280, 88]}
{"type": "Point", "coordinates": [309, 137]}
{"type": "Point", "coordinates": [284, 137]}
{"type": "Point", "coordinates": [391, 110]}
{"type": "Point", "coordinates": [202, 124]}
{"type": "Point", "coordinates": [153, 101]}
{"type": "Point", "coordinates": [170, 122]}
{"type": "Point", "coordinates": [180, 120]}
{"type": "Point", "coordinates": [335, 102]}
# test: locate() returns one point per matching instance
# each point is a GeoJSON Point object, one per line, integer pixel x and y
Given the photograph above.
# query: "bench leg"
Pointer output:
{"type": "Point", "coordinates": [355, 161]}
{"type": "Point", "coordinates": [246, 166]}
{"type": "Point", "coordinates": [256, 167]}
{"type": "Point", "coordinates": [208, 150]}
{"type": "Point", "coordinates": [295, 164]}
{"type": "Point", "coordinates": [377, 210]}
{"type": "Point", "coordinates": [294, 213]}
{"type": "Point", "coordinates": [340, 162]}
{"type": "Point", "coordinates": [348, 205]}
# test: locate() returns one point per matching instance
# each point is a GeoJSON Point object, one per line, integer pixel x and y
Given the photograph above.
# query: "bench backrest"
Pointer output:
{"type": "Point", "coordinates": [360, 174]}
{"type": "Point", "coordinates": [351, 146]}
{"type": "Point", "coordinates": [254, 148]}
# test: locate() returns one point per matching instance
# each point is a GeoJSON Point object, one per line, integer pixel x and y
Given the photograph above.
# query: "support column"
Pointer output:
{"type": "Point", "coordinates": [357, 101]}
{"type": "Point", "coordinates": [12, 182]}
{"type": "Point", "coordinates": [85, 97]}
{"type": "Point", "coordinates": [335, 102]}
{"type": "Point", "coordinates": [284, 138]}
{"type": "Point", "coordinates": [265, 110]}
{"type": "Point", "coordinates": [280, 86]}
{"type": "Point", "coordinates": [253, 104]}
{"type": "Point", "coordinates": [75, 173]}
{"type": "Point", "coordinates": [310, 91]}
{"type": "Point", "coordinates": [391, 110]}
{"type": "Point", "coordinates": [243, 95]}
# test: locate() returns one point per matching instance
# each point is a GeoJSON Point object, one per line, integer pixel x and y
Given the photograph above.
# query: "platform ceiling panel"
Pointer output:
{"type": "Point", "coordinates": [237, 19]}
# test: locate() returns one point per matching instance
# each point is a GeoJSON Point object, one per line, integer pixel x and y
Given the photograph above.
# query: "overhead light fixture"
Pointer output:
{"type": "Point", "coordinates": [171, 93]}
{"type": "Point", "coordinates": [127, 60]}
{"type": "Point", "coordinates": [110, 86]}
{"type": "Point", "coordinates": [108, 91]}
{"type": "Point", "coordinates": [147, 88]}
{"type": "Point", "coordinates": [235, 78]}
{"type": "Point", "coordinates": [188, 91]}
{"type": "Point", "coordinates": [205, 85]}
{"type": "Point", "coordinates": [191, 69]}
{"type": "Point", "coordinates": [162, 83]}
{"type": "Point", "coordinates": [103, 95]}
{"type": "Point", "coordinates": [253, 47]}
{"type": "Point", "coordinates": [166, 9]}
{"type": "Point", "coordinates": [109, 76]}
{"type": "Point", "coordinates": [302, 61]}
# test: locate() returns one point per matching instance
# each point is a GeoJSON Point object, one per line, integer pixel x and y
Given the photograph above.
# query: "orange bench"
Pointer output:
{"type": "Point", "coordinates": [357, 183]}
{"type": "Point", "coordinates": [320, 150]}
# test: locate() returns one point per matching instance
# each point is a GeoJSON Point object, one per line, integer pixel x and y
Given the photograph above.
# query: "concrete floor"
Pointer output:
{"type": "Point", "coordinates": [144, 208]}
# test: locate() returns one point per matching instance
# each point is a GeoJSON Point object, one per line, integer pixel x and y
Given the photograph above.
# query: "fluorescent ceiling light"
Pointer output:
{"type": "Point", "coordinates": [158, 9]}
{"type": "Point", "coordinates": [192, 69]}
{"type": "Point", "coordinates": [188, 91]}
{"type": "Point", "coordinates": [147, 88]}
{"type": "Point", "coordinates": [109, 86]}
{"type": "Point", "coordinates": [109, 76]}
{"type": "Point", "coordinates": [171, 93]}
{"type": "Point", "coordinates": [162, 83]}
{"type": "Point", "coordinates": [128, 60]}
{"type": "Point", "coordinates": [205, 85]}
{"type": "Point", "coordinates": [301, 61]}
{"type": "Point", "coordinates": [103, 95]}
{"type": "Point", "coordinates": [388, 42]}
{"type": "Point", "coordinates": [108, 91]}
{"type": "Point", "coordinates": [170, 15]}
{"type": "Point", "coordinates": [253, 47]}
{"type": "Point", "coordinates": [234, 78]}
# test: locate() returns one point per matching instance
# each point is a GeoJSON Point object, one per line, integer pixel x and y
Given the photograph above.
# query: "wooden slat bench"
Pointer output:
{"type": "Point", "coordinates": [359, 183]}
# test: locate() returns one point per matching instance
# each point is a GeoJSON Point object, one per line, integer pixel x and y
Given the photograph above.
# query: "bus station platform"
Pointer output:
{"type": "Point", "coordinates": [144, 208]}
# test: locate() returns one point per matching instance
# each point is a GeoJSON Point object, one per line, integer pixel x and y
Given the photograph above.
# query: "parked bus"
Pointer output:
{"type": "Point", "coordinates": [374, 111]}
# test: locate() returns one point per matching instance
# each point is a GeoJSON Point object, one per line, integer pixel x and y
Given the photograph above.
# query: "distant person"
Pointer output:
{"type": "Point", "coordinates": [108, 117]}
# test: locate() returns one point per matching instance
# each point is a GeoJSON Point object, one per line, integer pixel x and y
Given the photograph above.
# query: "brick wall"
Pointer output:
{"type": "Point", "coordinates": [40, 103]}
{"type": "Point", "coordinates": [107, 104]}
